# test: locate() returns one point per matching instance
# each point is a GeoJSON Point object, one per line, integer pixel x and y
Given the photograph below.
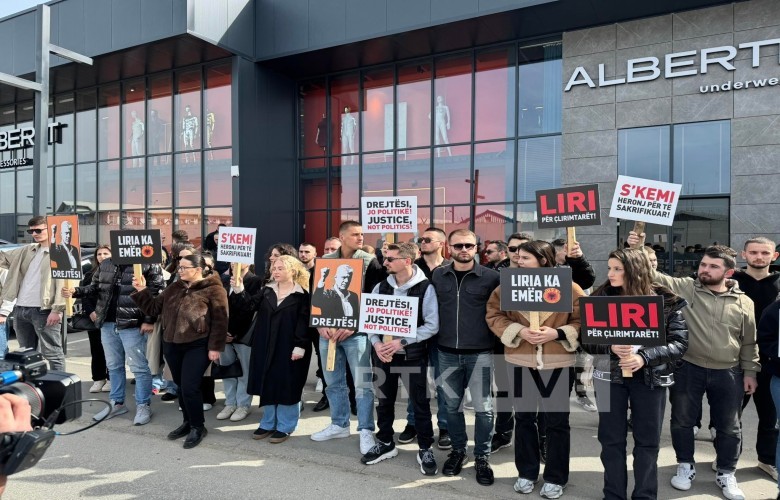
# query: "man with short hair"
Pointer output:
{"type": "Point", "coordinates": [721, 362]}
{"type": "Point", "coordinates": [39, 308]}
{"type": "Point", "coordinates": [332, 245]}
{"type": "Point", "coordinates": [180, 236]}
{"type": "Point", "coordinates": [496, 255]}
{"type": "Point", "coordinates": [465, 351]}
{"type": "Point", "coordinates": [307, 254]}
{"type": "Point", "coordinates": [406, 358]}
{"type": "Point", "coordinates": [432, 244]}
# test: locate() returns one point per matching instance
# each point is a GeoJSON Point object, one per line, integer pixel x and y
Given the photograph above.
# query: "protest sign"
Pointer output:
{"type": "Point", "coordinates": [568, 207]}
{"type": "Point", "coordinates": [388, 315]}
{"type": "Point", "coordinates": [65, 250]}
{"type": "Point", "coordinates": [389, 214]}
{"type": "Point", "coordinates": [546, 289]}
{"type": "Point", "coordinates": [644, 200]}
{"type": "Point", "coordinates": [236, 244]}
{"type": "Point", "coordinates": [140, 246]}
{"type": "Point", "coordinates": [623, 320]}
{"type": "Point", "coordinates": [335, 300]}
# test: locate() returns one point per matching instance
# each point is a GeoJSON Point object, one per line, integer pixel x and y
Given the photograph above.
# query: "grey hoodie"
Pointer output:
{"type": "Point", "coordinates": [430, 307]}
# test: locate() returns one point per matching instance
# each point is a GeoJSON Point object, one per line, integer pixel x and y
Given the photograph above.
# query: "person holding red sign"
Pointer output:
{"type": "Point", "coordinates": [629, 274]}
{"type": "Point", "coordinates": [545, 356]}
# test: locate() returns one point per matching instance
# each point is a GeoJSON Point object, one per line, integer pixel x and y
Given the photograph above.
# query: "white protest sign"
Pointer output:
{"type": "Point", "coordinates": [388, 315]}
{"type": "Point", "coordinates": [389, 214]}
{"type": "Point", "coordinates": [644, 200]}
{"type": "Point", "coordinates": [236, 244]}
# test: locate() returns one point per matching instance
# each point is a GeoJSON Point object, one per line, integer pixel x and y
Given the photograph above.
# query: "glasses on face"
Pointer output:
{"type": "Point", "coordinates": [490, 252]}
{"type": "Point", "coordinates": [461, 246]}
{"type": "Point", "coordinates": [183, 268]}
{"type": "Point", "coordinates": [513, 249]}
{"type": "Point", "coordinates": [425, 240]}
{"type": "Point", "coordinates": [393, 259]}
{"type": "Point", "coordinates": [35, 231]}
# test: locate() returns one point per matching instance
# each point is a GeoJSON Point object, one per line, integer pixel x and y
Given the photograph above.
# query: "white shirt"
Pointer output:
{"type": "Point", "coordinates": [30, 289]}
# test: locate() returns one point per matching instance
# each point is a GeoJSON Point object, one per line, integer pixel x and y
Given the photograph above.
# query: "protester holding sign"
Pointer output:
{"type": "Point", "coordinates": [628, 273]}
{"type": "Point", "coordinates": [405, 357]}
{"type": "Point", "coordinates": [545, 356]}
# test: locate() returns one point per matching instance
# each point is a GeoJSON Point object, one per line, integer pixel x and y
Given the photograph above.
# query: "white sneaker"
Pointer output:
{"type": "Point", "coordinates": [97, 385]}
{"type": "Point", "coordinates": [696, 430]}
{"type": "Point", "coordinates": [107, 387]}
{"type": "Point", "coordinates": [226, 412]}
{"type": "Point", "coordinates": [318, 387]}
{"type": "Point", "coordinates": [143, 414]}
{"type": "Point", "coordinates": [686, 473]}
{"type": "Point", "coordinates": [729, 487]}
{"type": "Point", "coordinates": [332, 431]}
{"type": "Point", "coordinates": [367, 441]}
{"type": "Point", "coordinates": [240, 414]}
{"type": "Point", "coordinates": [113, 411]}
{"type": "Point", "coordinates": [207, 406]}
{"type": "Point", "coordinates": [550, 490]}
{"type": "Point", "coordinates": [713, 433]}
{"type": "Point", "coordinates": [769, 469]}
{"type": "Point", "coordinates": [523, 485]}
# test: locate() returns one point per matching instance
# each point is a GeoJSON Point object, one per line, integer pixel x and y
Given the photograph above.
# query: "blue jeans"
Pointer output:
{"type": "Point", "coordinates": [474, 371]}
{"type": "Point", "coordinates": [774, 386]}
{"type": "Point", "coordinates": [235, 388]}
{"type": "Point", "coordinates": [159, 383]}
{"type": "Point", "coordinates": [282, 418]}
{"type": "Point", "coordinates": [441, 411]}
{"type": "Point", "coordinates": [128, 344]}
{"type": "Point", "coordinates": [357, 350]}
{"type": "Point", "coordinates": [3, 340]}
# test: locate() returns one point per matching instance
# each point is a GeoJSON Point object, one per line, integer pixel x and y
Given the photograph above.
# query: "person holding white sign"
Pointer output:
{"type": "Point", "coordinates": [628, 273]}
{"type": "Point", "coordinates": [406, 358]}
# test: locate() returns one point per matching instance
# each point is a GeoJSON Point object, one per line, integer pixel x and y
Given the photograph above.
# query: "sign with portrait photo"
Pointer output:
{"type": "Point", "coordinates": [335, 298]}
{"type": "Point", "coordinates": [65, 249]}
{"type": "Point", "coordinates": [546, 289]}
{"type": "Point", "coordinates": [623, 320]}
{"type": "Point", "coordinates": [142, 246]}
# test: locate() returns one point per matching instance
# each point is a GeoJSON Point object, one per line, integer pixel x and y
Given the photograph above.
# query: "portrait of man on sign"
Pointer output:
{"type": "Point", "coordinates": [63, 253]}
{"type": "Point", "coordinates": [336, 301]}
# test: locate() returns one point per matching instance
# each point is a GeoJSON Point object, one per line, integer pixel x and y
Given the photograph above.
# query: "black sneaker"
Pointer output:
{"type": "Point", "coordinates": [408, 435]}
{"type": "Point", "coordinates": [445, 443]}
{"type": "Point", "coordinates": [484, 472]}
{"type": "Point", "coordinates": [168, 397]}
{"type": "Point", "coordinates": [500, 440]}
{"type": "Point", "coordinates": [180, 431]}
{"type": "Point", "coordinates": [380, 451]}
{"type": "Point", "coordinates": [543, 449]}
{"type": "Point", "coordinates": [427, 462]}
{"type": "Point", "coordinates": [455, 462]}
{"type": "Point", "coordinates": [323, 404]}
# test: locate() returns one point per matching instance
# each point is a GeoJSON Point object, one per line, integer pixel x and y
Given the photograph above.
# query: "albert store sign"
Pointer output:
{"type": "Point", "coordinates": [21, 138]}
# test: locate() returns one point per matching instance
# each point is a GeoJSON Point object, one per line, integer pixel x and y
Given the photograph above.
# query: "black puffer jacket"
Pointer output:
{"type": "Point", "coordinates": [128, 315]}
{"type": "Point", "coordinates": [659, 361]}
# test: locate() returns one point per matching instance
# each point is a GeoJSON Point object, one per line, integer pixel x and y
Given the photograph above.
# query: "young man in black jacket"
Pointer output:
{"type": "Point", "coordinates": [123, 330]}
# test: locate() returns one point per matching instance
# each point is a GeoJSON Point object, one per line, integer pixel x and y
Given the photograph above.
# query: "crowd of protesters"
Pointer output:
{"type": "Point", "coordinates": [183, 318]}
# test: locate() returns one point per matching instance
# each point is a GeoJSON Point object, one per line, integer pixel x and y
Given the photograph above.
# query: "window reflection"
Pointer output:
{"type": "Point", "coordinates": [345, 186]}
{"type": "Point", "coordinates": [190, 220]}
{"type": "Point", "coordinates": [344, 106]}
{"type": "Point", "coordinates": [7, 122]}
{"type": "Point", "coordinates": [133, 184]}
{"type": "Point", "coordinates": [377, 117]}
{"type": "Point", "coordinates": [160, 182]}
{"type": "Point", "coordinates": [219, 183]}
{"type": "Point", "coordinates": [538, 166]}
{"type": "Point", "coordinates": [494, 222]}
{"type": "Point", "coordinates": [315, 229]}
{"type": "Point", "coordinates": [314, 127]}
{"type": "Point", "coordinates": [702, 157]}
{"type": "Point", "coordinates": [216, 216]}
{"type": "Point", "coordinates": [107, 222]}
{"type": "Point", "coordinates": [86, 187]}
{"type": "Point", "coordinates": [162, 220]}
{"type": "Point", "coordinates": [540, 80]}
{"type": "Point", "coordinates": [108, 194]}
{"type": "Point", "coordinates": [314, 184]}
{"type": "Point", "coordinates": [188, 114]}
{"type": "Point", "coordinates": [218, 107]}
{"type": "Point", "coordinates": [64, 106]}
{"type": "Point", "coordinates": [495, 94]}
{"type": "Point", "coordinates": [414, 174]}
{"type": "Point", "coordinates": [644, 153]}
{"type": "Point", "coordinates": [494, 171]}
{"type": "Point", "coordinates": [133, 115]}
{"type": "Point", "coordinates": [451, 117]}
{"type": "Point", "coordinates": [86, 125]}
{"type": "Point", "coordinates": [64, 192]}
{"type": "Point", "coordinates": [452, 174]}
{"type": "Point", "coordinates": [413, 124]}
{"type": "Point", "coordinates": [187, 180]}
{"type": "Point", "coordinates": [159, 128]}
{"type": "Point", "coordinates": [7, 192]}
{"type": "Point", "coordinates": [108, 122]}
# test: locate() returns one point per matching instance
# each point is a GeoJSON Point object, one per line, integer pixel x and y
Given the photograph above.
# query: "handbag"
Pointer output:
{"type": "Point", "coordinates": [232, 370]}
{"type": "Point", "coordinates": [81, 322]}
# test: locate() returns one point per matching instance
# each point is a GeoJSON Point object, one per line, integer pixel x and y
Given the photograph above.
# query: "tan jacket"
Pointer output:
{"type": "Point", "coordinates": [17, 262]}
{"type": "Point", "coordinates": [506, 325]}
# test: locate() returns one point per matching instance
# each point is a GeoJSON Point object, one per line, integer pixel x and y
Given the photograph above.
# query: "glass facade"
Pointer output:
{"type": "Point", "coordinates": [115, 165]}
{"type": "Point", "coordinates": [471, 135]}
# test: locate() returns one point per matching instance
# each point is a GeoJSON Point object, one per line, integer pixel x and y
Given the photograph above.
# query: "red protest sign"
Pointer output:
{"type": "Point", "coordinates": [620, 320]}
{"type": "Point", "coordinates": [568, 207]}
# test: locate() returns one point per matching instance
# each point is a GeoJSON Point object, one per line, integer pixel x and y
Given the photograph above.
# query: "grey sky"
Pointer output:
{"type": "Point", "coordinates": [8, 7]}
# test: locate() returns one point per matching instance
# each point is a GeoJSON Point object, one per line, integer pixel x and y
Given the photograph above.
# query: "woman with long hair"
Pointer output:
{"type": "Point", "coordinates": [274, 252]}
{"type": "Point", "coordinates": [629, 273]}
{"type": "Point", "coordinates": [545, 356]}
{"type": "Point", "coordinates": [281, 349]}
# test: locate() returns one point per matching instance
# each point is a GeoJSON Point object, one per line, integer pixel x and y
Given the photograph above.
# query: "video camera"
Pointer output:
{"type": "Point", "coordinates": [51, 395]}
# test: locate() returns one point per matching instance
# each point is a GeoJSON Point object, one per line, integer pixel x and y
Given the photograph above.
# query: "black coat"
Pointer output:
{"type": "Point", "coordinates": [272, 374]}
{"type": "Point", "coordinates": [767, 336]}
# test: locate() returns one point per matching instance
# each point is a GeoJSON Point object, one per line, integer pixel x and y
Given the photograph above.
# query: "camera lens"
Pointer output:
{"type": "Point", "coordinates": [30, 393]}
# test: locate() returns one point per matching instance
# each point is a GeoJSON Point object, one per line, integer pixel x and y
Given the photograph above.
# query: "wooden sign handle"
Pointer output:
{"type": "Point", "coordinates": [571, 239]}
{"type": "Point", "coordinates": [237, 273]}
{"type": "Point", "coordinates": [534, 320]}
{"type": "Point", "coordinates": [387, 338]}
{"type": "Point", "coordinates": [628, 373]}
{"type": "Point", "coordinates": [138, 272]}
{"type": "Point", "coordinates": [639, 228]}
{"type": "Point", "coordinates": [70, 300]}
{"type": "Point", "coordinates": [331, 364]}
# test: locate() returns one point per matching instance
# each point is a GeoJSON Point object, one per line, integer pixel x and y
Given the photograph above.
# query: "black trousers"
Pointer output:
{"type": "Point", "coordinates": [647, 407]}
{"type": "Point", "coordinates": [502, 399]}
{"type": "Point", "coordinates": [766, 435]}
{"type": "Point", "coordinates": [207, 390]}
{"type": "Point", "coordinates": [187, 363]}
{"type": "Point", "coordinates": [98, 363]}
{"type": "Point", "coordinates": [413, 375]}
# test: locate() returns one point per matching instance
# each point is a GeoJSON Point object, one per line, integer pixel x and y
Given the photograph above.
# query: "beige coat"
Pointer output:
{"type": "Point", "coordinates": [17, 262]}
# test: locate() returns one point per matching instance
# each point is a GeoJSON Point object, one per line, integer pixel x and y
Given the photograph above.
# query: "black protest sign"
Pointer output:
{"type": "Point", "coordinates": [335, 300]}
{"type": "Point", "coordinates": [546, 289]}
{"type": "Point", "coordinates": [634, 320]}
{"type": "Point", "coordinates": [568, 207]}
{"type": "Point", "coordinates": [136, 247]}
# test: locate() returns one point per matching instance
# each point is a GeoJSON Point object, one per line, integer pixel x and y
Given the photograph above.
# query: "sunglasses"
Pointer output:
{"type": "Point", "coordinates": [513, 249]}
{"type": "Point", "coordinates": [490, 252]}
{"type": "Point", "coordinates": [461, 246]}
{"type": "Point", "coordinates": [35, 231]}
{"type": "Point", "coordinates": [393, 259]}
{"type": "Point", "coordinates": [425, 240]}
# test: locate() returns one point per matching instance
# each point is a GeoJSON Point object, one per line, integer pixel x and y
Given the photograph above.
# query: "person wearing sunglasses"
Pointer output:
{"type": "Point", "coordinates": [39, 308]}
{"type": "Point", "coordinates": [465, 351]}
{"type": "Point", "coordinates": [496, 254]}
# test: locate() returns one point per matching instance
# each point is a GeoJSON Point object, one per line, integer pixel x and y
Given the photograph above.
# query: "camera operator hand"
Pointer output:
{"type": "Point", "coordinates": [15, 416]}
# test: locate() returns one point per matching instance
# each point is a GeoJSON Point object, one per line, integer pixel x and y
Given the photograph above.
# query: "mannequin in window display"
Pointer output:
{"type": "Point", "coordinates": [442, 125]}
{"type": "Point", "coordinates": [137, 130]}
{"type": "Point", "coordinates": [155, 134]}
{"type": "Point", "coordinates": [321, 139]}
{"type": "Point", "coordinates": [189, 131]}
{"type": "Point", "coordinates": [348, 130]}
{"type": "Point", "coordinates": [211, 121]}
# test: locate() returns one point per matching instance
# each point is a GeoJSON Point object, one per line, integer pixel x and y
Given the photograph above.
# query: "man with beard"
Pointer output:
{"type": "Point", "coordinates": [721, 362]}
{"type": "Point", "coordinates": [496, 255]}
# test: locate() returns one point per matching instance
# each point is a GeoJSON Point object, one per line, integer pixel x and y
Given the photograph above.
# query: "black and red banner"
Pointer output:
{"type": "Point", "coordinates": [568, 207]}
{"type": "Point", "coordinates": [635, 320]}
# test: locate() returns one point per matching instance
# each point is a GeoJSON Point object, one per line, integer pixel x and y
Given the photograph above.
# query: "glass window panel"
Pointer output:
{"type": "Point", "coordinates": [314, 184]}
{"type": "Point", "coordinates": [423, 223]}
{"type": "Point", "coordinates": [86, 187]}
{"type": "Point", "coordinates": [218, 106]}
{"type": "Point", "coordinates": [698, 224]}
{"type": "Point", "coordinates": [344, 106]}
{"type": "Point", "coordinates": [314, 126]}
{"type": "Point", "coordinates": [88, 229]}
{"type": "Point", "coordinates": [378, 175]}
{"type": "Point", "coordinates": [160, 123]}
{"type": "Point", "coordinates": [451, 217]}
{"type": "Point", "coordinates": [495, 94]}
{"type": "Point", "coordinates": [50, 149]}
{"type": "Point", "coordinates": [133, 184]}
{"type": "Point", "coordinates": [189, 219]}
{"type": "Point", "coordinates": [24, 191]}
{"type": "Point", "coordinates": [25, 113]}
{"type": "Point", "coordinates": [86, 125]}
{"type": "Point", "coordinates": [7, 122]}
{"type": "Point", "coordinates": [339, 216]}
{"type": "Point", "coordinates": [644, 153]}
{"type": "Point", "coordinates": [107, 222]}
{"type": "Point", "coordinates": [217, 215]}
{"type": "Point", "coordinates": [188, 110]}
{"type": "Point", "coordinates": [702, 157]}
{"type": "Point", "coordinates": [345, 186]}
{"type": "Point", "coordinates": [162, 220]}
{"type": "Point", "coordinates": [65, 189]}
{"type": "Point", "coordinates": [377, 114]}
{"type": "Point", "coordinates": [526, 223]}
{"type": "Point", "coordinates": [108, 122]}
{"type": "Point", "coordinates": [414, 96]}
{"type": "Point", "coordinates": [133, 116]}
{"type": "Point", "coordinates": [315, 229]}
{"type": "Point", "coordinates": [452, 109]}
{"type": "Point", "coordinates": [160, 182]}
{"type": "Point", "coordinates": [414, 175]}
{"type": "Point", "coordinates": [108, 194]}
{"type": "Point", "coordinates": [219, 183]}
{"type": "Point", "coordinates": [50, 190]}
{"type": "Point", "coordinates": [656, 236]}
{"type": "Point", "coordinates": [540, 80]}
{"type": "Point", "coordinates": [494, 171]}
{"type": "Point", "coordinates": [494, 222]}
{"type": "Point", "coordinates": [133, 219]}
{"type": "Point", "coordinates": [539, 166]}
{"type": "Point", "coordinates": [452, 175]}
{"type": "Point", "coordinates": [7, 192]}
{"type": "Point", "coordinates": [64, 105]}
{"type": "Point", "coordinates": [187, 182]}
